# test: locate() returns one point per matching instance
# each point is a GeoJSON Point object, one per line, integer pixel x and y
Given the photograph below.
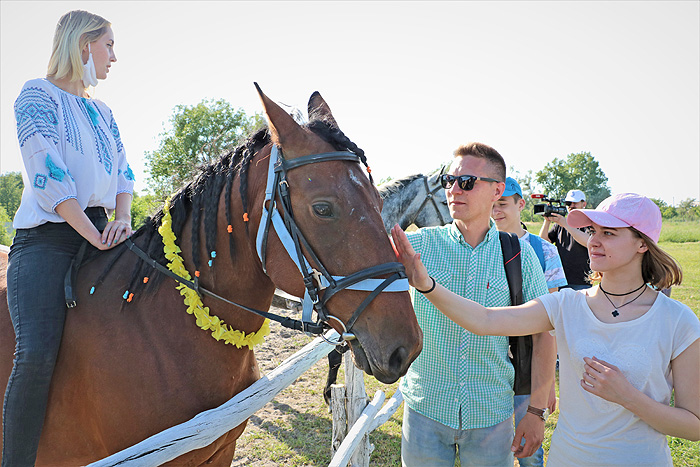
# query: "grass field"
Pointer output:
{"type": "Point", "coordinates": [315, 436]}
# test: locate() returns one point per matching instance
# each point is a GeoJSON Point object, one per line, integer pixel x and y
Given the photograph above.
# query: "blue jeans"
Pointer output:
{"type": "Point", "coordinates": [428, 443]}
{"type": "Point", "coordinates": [38, 261]}
{"type": "Point", "coordinates": [537, 459]}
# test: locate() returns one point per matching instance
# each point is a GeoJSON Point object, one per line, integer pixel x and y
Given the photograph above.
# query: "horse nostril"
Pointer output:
{"type": "Point", "coordinates": [398, 359]}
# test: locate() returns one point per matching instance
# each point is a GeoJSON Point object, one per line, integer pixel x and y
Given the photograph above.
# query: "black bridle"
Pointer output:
{"type": "Point", "coordinates": [319, 284]}
{"type": "Point", "coordinates": [429, 196]}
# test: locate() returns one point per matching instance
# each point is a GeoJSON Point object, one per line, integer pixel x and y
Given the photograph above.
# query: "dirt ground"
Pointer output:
{"type": "Point", "coordinates": [302, 395]}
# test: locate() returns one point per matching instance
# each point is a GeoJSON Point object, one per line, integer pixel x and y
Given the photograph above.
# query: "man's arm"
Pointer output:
{"type": "Point", "coordinates": [544, 230]}
{"type": "Point", "coordinates": [580, 236]}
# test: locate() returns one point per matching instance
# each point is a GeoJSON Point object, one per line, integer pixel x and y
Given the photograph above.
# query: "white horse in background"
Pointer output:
{"type": "Point", "coordinates": [417, 199]}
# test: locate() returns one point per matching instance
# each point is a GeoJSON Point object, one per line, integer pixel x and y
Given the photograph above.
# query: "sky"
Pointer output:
{"type": "Point", "coordinates": [408, 82]}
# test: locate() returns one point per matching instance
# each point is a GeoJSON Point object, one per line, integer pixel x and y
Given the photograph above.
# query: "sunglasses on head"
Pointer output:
{"type": "Point", "coordinates": [465, 182]}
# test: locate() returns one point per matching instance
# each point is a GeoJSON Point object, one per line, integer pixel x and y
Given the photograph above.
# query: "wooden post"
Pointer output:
{"type": "Point", "coordinates": [340, 416]}
{"type": "Point", "coordinates": [356, 402]}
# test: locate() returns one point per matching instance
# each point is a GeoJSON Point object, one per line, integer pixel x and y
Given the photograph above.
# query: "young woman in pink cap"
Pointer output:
{"type": "Point", "coordinates": [623, 346]}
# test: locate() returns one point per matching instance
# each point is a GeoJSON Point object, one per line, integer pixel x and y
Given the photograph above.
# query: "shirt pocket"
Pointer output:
{"type": "Point", "coordinates": [443, 277]}
{"type": "Point", "coordinates": [497, 292]}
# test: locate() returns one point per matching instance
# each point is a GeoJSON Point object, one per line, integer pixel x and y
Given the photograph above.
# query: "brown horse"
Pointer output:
{"type": "Point", "coordinates": [127, 370]}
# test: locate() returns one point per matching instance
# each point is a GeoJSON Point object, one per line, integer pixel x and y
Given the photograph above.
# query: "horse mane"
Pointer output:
{"type": "Point", "coordinates": [394, 186]}
{"type": "Point", "coordinates": [200, 198]}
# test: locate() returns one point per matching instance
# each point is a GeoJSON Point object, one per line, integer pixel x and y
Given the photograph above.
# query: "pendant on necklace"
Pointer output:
{"type": "Point", "coordinates": [615, 313]}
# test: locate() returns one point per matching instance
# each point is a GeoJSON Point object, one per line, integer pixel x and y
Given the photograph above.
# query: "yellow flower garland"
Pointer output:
{"type": "Point", "coordinates": [219, 329]}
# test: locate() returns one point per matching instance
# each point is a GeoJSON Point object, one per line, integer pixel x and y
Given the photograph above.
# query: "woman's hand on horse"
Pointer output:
{"type": "Point", "coordinates": [116, 232]}
{"type": "Point", "coordinates": [415, 270]}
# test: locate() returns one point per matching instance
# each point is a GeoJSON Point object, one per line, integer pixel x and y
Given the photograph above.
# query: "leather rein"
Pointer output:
{"type": "Point", "coordinates": [319, 284]}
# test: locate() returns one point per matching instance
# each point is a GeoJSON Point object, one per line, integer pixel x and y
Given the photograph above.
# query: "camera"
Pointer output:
{"type": "Point", "coordinates": [549, 208]}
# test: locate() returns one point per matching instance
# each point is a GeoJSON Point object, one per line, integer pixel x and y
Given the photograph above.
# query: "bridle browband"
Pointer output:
{"type": "Point", "coordinates": [319, 284]}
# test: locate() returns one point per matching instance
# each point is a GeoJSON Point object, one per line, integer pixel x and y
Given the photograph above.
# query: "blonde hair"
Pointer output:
{"type": "Point", "coordinates": [658, 267]}
{"type": "Point", "coordinates": [74, 30]}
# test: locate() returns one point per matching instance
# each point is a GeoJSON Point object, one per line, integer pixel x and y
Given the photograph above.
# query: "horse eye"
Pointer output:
{"type": "Point", "coordinates": [323, 210]}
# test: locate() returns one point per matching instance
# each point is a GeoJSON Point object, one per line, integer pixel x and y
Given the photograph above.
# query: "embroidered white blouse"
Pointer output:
{"type": "Point", "coordinates": [71, 148]}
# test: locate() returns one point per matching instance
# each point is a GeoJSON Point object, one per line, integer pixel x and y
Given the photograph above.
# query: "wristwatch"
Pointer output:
{"type": "Point", "coordinates": [542, 413]}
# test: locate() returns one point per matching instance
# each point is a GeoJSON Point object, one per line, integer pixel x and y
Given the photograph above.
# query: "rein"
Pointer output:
{"type": "Point", "coordinates": [194, 285]}
{"type": "Point", "coordinates": [429, 197]}
{"type": "Point", "coordinates": [319, 284]}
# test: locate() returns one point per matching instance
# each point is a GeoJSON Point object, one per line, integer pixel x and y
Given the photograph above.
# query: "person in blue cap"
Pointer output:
{"type": "Point", "coordinates": [506, 214]}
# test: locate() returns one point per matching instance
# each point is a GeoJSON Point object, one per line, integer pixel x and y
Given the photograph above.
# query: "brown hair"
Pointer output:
{"type": "Point", "coordinates": [483, 151]}
{"type": "Point", "coordinates": [658, 267]}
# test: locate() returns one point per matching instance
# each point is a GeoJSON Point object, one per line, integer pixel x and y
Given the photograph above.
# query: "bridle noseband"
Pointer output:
{"type": "Point", "coordinates": [319, 284]}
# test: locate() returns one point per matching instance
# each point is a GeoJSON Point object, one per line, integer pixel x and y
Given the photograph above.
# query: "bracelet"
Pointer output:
{"type": "Point", "coordinates": [429, 290]}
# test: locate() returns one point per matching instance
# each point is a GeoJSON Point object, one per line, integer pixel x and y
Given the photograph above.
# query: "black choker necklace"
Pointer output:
{"type": "Point", "coordinates": [616, 313]}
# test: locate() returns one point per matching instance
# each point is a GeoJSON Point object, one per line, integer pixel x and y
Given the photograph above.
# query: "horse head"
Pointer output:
{"type": "Point", "coordinates": [333, 209]}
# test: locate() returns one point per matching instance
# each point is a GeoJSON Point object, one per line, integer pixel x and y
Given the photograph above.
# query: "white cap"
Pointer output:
{"type": "Point", "coordinates": [575, 196]}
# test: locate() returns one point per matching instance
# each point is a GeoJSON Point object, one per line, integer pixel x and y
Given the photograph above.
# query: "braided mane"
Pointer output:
{"type": "Point", "coordinates": [200, 198]}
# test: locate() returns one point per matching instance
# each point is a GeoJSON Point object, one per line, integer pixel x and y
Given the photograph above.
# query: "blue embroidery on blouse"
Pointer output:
{"type": "Point", "coordinates": [104, 154]}
{"type": "Point", "coordinates": [115, 133]}
{"type": "Point", "coordinates": [36, 112]}
{"type": "Point", "coordinates": [129, 174]}
{"type": "Point", "coordinates": [40, 181]}
{"type": "Point", "coordinates": [102, 143]}
{"type": "Point", "coordinates": [91, 111]}
{"type": "Point", "coordinates": [71, 125]}
{"type": "Point", "coordinates": [55, 171]}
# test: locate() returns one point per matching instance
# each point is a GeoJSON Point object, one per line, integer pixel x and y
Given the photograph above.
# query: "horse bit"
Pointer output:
{"type": "Point", "coordinates": [319, 284]}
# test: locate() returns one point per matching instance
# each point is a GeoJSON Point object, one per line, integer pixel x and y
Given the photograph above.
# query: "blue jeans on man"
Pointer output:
{"type": "Point", "coordinates": [426, 442]}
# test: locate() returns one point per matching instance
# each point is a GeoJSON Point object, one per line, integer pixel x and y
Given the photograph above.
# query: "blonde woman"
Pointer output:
{"type": "Point", "coordinates": [75, 175]}
{"type": "Point", "coordinates": [623, 347]}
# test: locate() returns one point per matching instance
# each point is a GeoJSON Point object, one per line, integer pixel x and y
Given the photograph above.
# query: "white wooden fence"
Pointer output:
{"type": "Point", "coordinates": [349, 405]}
{"type": "Point", "coordinates": [208, 426]}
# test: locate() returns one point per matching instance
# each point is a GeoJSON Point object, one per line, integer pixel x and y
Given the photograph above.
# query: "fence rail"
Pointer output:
{"type": "Point", "coordinates": [208, 426]}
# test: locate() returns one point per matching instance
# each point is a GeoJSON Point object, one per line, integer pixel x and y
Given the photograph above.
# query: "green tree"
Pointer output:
{"type": "Point", "coordinates": [11, 187]}
{"type": "Point", "coordinates": [143, 206]}
{"type": "Point", "coordinates": [687, 209]}
{"type": "Point", "coordinates": [197, 135]}
{"type": "Point", "coordinates": [578, 171]}
{"type": "Point", "coordinates": [5, 221]}
{"type": "Point", "coordinates": [527, 185]}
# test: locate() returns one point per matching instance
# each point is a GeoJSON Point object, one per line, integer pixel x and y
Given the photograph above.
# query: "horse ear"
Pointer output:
{"type": "Point", "coordinates": [284, 130]}
{"type": "Point", "coordinates": [319, 110]}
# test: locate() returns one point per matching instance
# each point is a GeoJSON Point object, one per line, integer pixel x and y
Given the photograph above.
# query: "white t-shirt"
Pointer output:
{"type": "Point", "coordinates": [591, 430]}
{"type": "Point", "coordinates": [71, 148]}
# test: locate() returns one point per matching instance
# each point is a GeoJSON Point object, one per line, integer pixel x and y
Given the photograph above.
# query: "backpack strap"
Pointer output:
{"type": "Point", "coordinates": [536, 244]}
{"type": "Point", "coordinates": [520, 346]}
{"type": "Point", "coordinates": [513, 266]}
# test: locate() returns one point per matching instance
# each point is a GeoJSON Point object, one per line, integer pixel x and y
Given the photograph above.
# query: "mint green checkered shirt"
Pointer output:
{"type": "Point", "coordinates": [460, 379]}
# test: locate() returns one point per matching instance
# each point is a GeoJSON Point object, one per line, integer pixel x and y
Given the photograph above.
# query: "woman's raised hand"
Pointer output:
{"type": "Point", "coordinates": [415, 270]}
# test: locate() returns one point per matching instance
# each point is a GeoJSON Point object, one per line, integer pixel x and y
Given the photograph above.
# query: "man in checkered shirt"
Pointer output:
{"type": "Point", "coordinates": [459, 391]}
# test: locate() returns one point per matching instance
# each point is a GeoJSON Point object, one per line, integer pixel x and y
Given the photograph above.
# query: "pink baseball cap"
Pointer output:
{"type": "Point", "coordinates": [622, 210]}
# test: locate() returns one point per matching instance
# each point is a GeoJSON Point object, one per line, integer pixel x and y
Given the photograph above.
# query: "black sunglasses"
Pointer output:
{"type": "Point", "coordinates": [465, 182]}
{"type": "Point", "coordinates": [568, 203]}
